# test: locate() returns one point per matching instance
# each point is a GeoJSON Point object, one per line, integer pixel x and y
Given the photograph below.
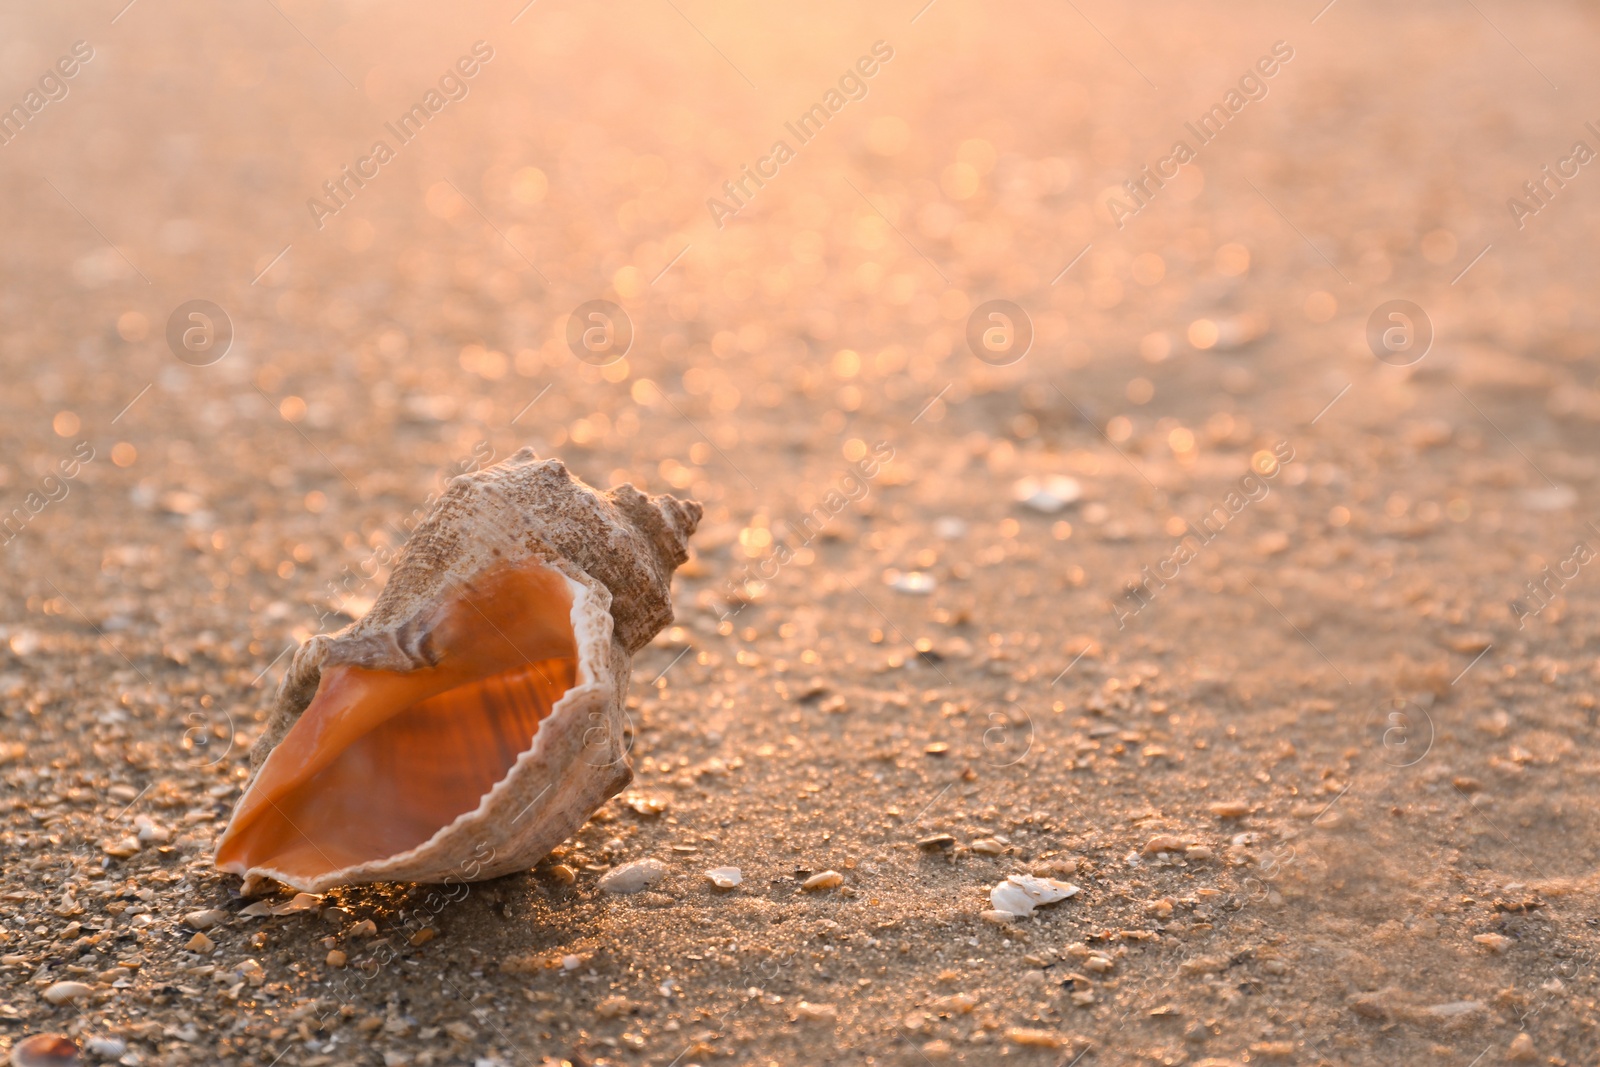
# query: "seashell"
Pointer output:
{"type": "Point", "coordinates": [1019, 894]}
{"type": "Point", "coordinates": [632, 877]}
{"type": "Point", "coordinates": [725, 877]}
{"type": "Point", "coordinates": [1047, 495]}
{"type": "Point", "coordinates": [45, 1050]}
{"type": "Point", "coordinates": [473, 719]}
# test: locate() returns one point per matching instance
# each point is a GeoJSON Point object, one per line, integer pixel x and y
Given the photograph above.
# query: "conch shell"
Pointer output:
{"type": "Point", "coordinates": [473, 719]}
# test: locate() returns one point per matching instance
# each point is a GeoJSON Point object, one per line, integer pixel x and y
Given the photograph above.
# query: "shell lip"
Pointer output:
{"type": "Point", "coordinates": [592, 632]}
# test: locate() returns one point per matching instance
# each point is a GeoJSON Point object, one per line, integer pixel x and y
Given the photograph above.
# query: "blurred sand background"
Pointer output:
{"type": "Point", "coordinates": [1328, 798]}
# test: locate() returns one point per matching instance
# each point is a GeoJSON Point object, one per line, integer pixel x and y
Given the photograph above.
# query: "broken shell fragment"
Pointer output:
{"type": "Point", "coordinates": [725, 877]}
{"type": "Point", "coordinates": [1047, 495]}
{"type": "Point", "coordinates": [1019, 894]}
{"type": "Point", "coordinates": [474, 718]}
{"type": "Point", "coordinates": [632, 877]}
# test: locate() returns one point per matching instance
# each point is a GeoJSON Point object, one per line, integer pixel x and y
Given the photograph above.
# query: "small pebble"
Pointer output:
{"type": "Point", "coordinates": [200, 943]}
{"type": "Point", "coordinates": [725, 877]}
{"type": "Point", "coordinates": [1521, 1050]}
{"type": "Point", "coordinates": [205, 920]}
{"type": "Point", "coordinates": [1496, 943]}
{"type": "Point", "coordinates": [916, 583]}
{"type": "Point", "coordinates": [1034, 1038]}
{"type": "Point", "coordinates": [127, 846]}
{"type": "Point", "coordinates": [823, 880]}
{"type": "Point", "coordinates": [337, 958]}
{"type": "Point", "coordinates": [364, 928]}
{"type": "Point", "coordinates": [937, 843]}
{"type": "Point", "coordinates": [423, 936]}
{"type": "Point", "coordinates": [1230, 809]}
{"type": "Point", "coordinates": [1273, 1050]}
{"type": "Point", "coordinates": [107, 1048]}
{"type": "Point", "coordinates": [1551, 498]}
{"type": "Point", "coordinates": [67, 992]}
{"type": "Point", "coordinates": [808, 1010]}
{"type": "Point", "coordinates": [1047, 495]}
{"type": "Point", "coordinates": [650, 806]}
{"type": "Point", "coordinates": [613, 1007]}
{"type": "Point", "coordinates": [633, 877]}
{"type": "Point", "coordinates": [1164, 843]}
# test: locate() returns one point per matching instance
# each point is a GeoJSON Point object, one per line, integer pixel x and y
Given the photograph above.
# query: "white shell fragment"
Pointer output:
{"type": "Point", "coordinates": [916, 583]}
{"type": "Point", "coordinates": [725, 877]}
{"type": "Point", "coordinates": [107, 1048]}
{"type": "Point", "coordinates": [300, 902]}
{"type": "Point", "coordinates": [633, 877]}
{"type": "Point", "coordinates": [59, 993]}
{"type": "Point", "coordinates": [1019, 894]}
{"type": "Point", "coordinates": [1047, 495]}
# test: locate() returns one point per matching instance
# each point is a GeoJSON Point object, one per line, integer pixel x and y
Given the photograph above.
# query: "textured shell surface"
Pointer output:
{"type": "Point", "coordinates": [474, 718]}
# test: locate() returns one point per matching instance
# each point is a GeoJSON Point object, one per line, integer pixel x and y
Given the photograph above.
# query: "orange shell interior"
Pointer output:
{"type": "Point", "coordinates": [380, 761]}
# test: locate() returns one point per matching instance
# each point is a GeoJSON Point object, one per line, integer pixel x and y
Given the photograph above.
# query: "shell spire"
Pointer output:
{"type": "Point", "coordinates": [473, 719]}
